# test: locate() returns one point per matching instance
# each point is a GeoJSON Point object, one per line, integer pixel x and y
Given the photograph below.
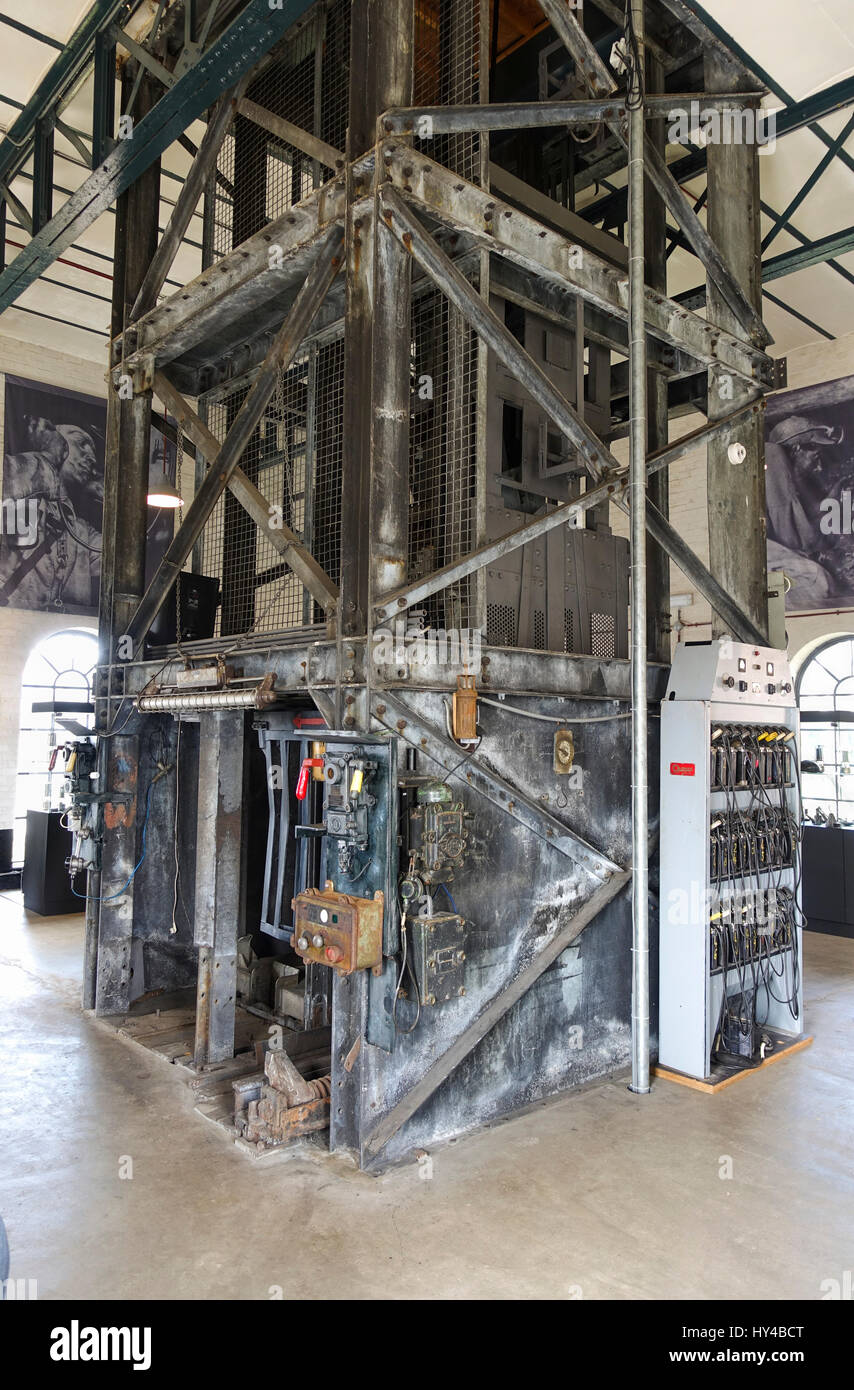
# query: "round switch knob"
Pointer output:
{"type": "Point", "coordinates": [333, 955]}
{"type": "Point", "coordinates": [317, 941]}
{"type": "Point", "coordinates": [303, 944]}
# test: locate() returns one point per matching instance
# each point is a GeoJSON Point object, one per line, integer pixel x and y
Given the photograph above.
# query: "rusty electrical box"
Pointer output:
{"type": "Point", "coordinates": [339, 929]}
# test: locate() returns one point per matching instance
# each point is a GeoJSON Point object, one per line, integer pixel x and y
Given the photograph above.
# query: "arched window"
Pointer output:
{"type": "Point", "coordinates": [60, 668]}
{"type": "Point", "coordinates": [826, 700]}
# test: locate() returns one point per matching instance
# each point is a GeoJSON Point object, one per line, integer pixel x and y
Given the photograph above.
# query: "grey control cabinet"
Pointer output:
{"type": "Point", "coordinates": [730, 850]}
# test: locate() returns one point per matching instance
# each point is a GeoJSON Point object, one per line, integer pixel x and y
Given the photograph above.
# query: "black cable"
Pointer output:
{"type": "Point", "coordinates": [636, 84]}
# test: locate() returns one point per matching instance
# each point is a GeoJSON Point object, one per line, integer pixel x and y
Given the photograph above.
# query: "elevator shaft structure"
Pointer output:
{"type": "Point", "coordinates": [390, 777]}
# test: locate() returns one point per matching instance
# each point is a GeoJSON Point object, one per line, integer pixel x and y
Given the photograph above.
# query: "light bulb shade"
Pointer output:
{"type": "Point", "coordinates": [162, 493]}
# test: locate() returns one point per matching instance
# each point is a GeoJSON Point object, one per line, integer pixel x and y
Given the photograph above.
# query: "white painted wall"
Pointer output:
{"type": "Point", "coordinates": [808, 366]}
{"type": "Point", "coordinates": [21, 629]}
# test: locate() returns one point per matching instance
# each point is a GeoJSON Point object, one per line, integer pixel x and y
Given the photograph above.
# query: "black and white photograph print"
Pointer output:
{"type": "Point", "coordinates": [53, 496]}
{"type": "Point", "coordinates": [809, 485]}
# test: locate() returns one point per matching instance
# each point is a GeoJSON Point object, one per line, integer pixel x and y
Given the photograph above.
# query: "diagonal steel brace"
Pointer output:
{"type": "Point", "coordinates": [281, 354]}
{"type": "Point", "coordinates": [282, 538]}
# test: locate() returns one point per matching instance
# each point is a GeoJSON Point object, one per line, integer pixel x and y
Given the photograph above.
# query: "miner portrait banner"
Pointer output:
{"type": "Point", "coordinates": [809, 485]}
{"type": "Point", "coordinates": [53, 495]}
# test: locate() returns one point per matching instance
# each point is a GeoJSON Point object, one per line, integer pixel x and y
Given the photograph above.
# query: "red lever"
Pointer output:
{"type": "Point", "coordinates": [304, 774]}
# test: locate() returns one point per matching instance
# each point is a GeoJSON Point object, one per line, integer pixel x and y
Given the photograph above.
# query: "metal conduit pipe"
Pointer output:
{"type": "Point", "coordinates": [638, 498]}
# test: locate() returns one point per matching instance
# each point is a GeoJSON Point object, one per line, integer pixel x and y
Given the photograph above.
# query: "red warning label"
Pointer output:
{"type": "Point", "coordinates": [683, 770]}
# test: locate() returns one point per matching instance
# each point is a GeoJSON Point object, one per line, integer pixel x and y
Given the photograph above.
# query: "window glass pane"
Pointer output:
{"type": "Point", "coordinates": [826, 685]}
{"type": "Point", "coordinates": [59, 669]}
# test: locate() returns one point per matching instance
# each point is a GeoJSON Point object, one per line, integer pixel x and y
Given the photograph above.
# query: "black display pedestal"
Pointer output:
{"type": "Point", "coordinates": [45, 878]}
{"type": "Point", "coordinates": [828, 887]}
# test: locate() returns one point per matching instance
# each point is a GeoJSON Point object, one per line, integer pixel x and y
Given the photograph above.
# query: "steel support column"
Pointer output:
{"type": "Point", "coordinates": [381, 58]}
{"type": "Point", "coordinates": [374, 546]}
{"type": "Point", "coordinates": [220, 901]}
{"type": "Point", "coordinates": [736, 493]}
{"type": "Point", "coordinates": [109, 926]}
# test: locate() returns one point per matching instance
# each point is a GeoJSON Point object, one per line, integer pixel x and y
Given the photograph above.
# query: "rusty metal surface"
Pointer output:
{"type": "Point", "coordinates": [340, 929]}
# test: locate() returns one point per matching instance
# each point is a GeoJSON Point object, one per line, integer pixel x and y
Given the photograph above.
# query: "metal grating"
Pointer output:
{"type": "Point", "coordinates": [603, 636]}
{"type": "Point", "coordinates": [500, 625]}
{"type": "Point", "coordinates": [568, 630]}
{"type": "Point", "coordinates": [538, 639]}
{"type": "Point", "coordinates": [295, 460]}
{"type": "Point", "coordinates": [306, 82]}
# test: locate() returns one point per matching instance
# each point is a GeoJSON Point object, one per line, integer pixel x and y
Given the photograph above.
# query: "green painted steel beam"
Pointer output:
{"type": "Point", "coordinates": [237, 50]}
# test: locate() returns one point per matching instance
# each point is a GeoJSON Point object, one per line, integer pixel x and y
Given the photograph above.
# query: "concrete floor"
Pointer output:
{"type": "Point", "coordinates": [596, 1195]}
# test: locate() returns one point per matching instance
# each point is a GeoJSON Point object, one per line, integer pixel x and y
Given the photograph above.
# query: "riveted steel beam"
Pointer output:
{"type": "Point", "coordinates": [596, 457]}
{"type": "Point", "coordinates": [234, 53]}
{"type": "Point", "coordinates": [538, 248]}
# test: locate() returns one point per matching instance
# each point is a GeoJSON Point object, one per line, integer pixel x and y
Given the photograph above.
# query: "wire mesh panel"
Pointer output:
{"type": "Point", "coordinates": [447, 73]}
{"type": "Point", "coordinates": [294, 458]}
{"type": "Point", "coordinates": [306, 82]}
{"type": "Point", "coordinates": [443, 450]}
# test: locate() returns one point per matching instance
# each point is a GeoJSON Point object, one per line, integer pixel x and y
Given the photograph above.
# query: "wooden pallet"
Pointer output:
{"type": "Point", "coordinates": [170, 1035]}
{"type": "Point", "coordinates": [723, 1075]}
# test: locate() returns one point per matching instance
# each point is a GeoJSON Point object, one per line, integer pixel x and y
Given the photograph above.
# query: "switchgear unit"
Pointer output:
{"type": "Point", "coordinates": [367, 874]}
{"type": "Point", "coordinates": [730, 940]}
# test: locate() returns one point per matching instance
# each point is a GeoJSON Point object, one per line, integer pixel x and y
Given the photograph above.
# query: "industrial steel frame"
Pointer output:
{"type": "Point", "coordinates": [352, 248]}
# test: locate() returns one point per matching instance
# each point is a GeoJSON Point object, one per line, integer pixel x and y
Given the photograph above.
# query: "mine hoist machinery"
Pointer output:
{"type": "Point", "coordinates": [391, 842]}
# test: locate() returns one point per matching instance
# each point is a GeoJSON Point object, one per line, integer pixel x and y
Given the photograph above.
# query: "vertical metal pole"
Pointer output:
{"type": "Point", "coordinates": [658, 486]}
{"type": "Point", "coordinates": [637, 475]}
{"type": "Point", "coordinates": [103, 99]}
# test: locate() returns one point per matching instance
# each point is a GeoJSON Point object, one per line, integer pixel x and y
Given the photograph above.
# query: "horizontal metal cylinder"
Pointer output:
{"type": "Point", "coordinates": [254, 698]}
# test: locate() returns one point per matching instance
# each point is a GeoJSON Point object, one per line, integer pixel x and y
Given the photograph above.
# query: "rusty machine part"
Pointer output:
{"type": "Point", "coordinates": [439, 957]}
{"type": "Point", "coordinates": [464, 717]}
{"type": "Point", "coordinates": [339, 929]}
{"type": "Point", "coordinates": [438, 833]}
{"type": "Point", "coordinates": [283, 1107]}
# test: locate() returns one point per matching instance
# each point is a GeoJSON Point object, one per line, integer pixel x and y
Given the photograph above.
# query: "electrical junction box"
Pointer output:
{"type": "Point", "coordinates": [730, 917]}
{"type": "Point", "coordinates": [438, 945]}
{"type": "Point", "coordinates": [339, 929]}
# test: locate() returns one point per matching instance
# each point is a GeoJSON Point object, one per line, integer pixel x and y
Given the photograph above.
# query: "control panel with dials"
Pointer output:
{"type": "Point", "coordinates": [734, 672]}
{"type": "Point", "coordinates": [339, 929]}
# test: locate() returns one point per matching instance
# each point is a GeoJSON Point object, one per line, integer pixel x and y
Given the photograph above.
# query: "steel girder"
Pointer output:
{"type": "Point", "coordinates": [237, 50]}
